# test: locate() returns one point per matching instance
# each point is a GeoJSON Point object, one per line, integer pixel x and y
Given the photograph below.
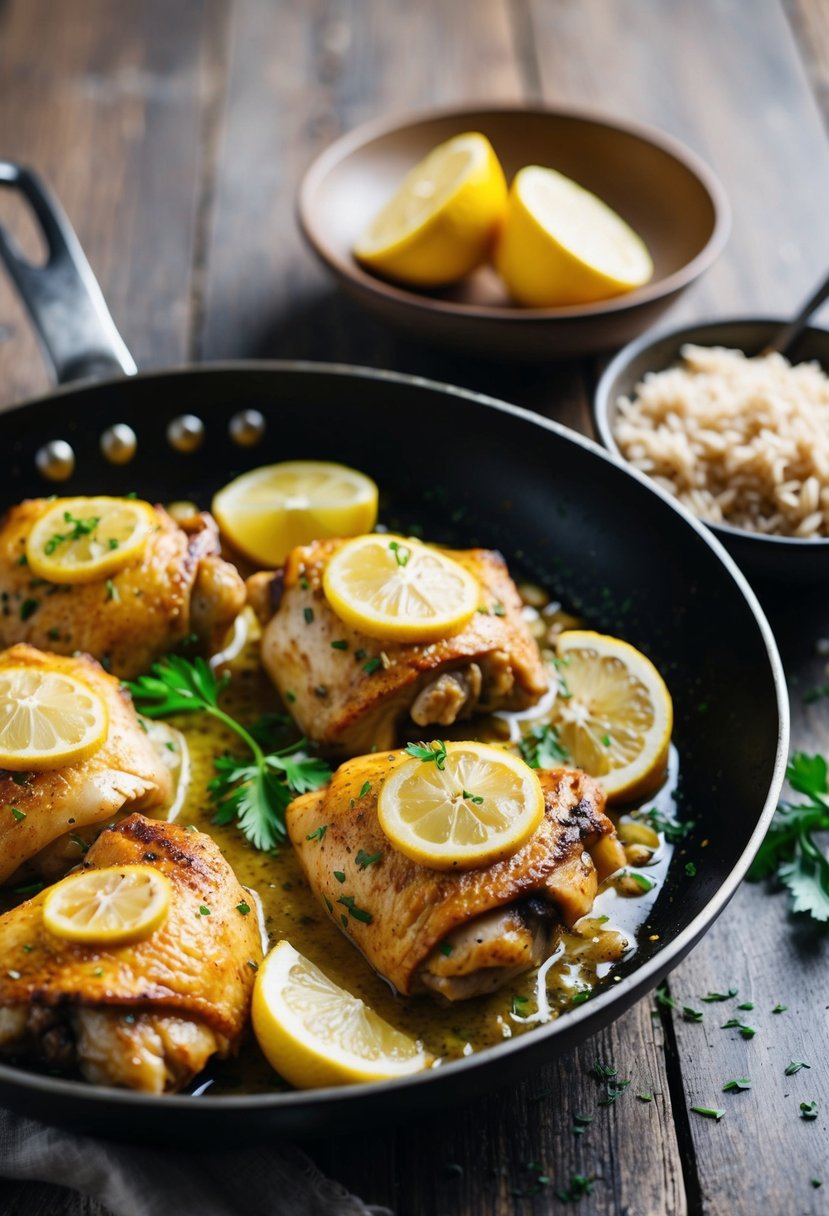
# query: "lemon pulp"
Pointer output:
{"type": "Point", "coordinates": [315, 1033]}
{"type": "Point", "coordinates": [562, 245]}
{"type": "Point", "coordinates": [441, 222]}
{"type": "Point", "coordinates": [80, 540]}
{"type": "Point", "coordinates": [613, 714]}
{"type": "Point", "coordinates": [268, 511]}
{"type": "Point", "coordinates": [468, 808]}
{"type": "Point", "coordinates": [111, 906]}
{"type": "Point", "coordinates": [47, 719]}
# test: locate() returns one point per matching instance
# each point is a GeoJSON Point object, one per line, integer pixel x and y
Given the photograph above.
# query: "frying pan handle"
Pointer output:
{"type": "Point", "coordinates": [62, 297]}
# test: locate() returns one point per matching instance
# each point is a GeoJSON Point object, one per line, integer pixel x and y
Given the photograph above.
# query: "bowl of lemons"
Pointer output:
{"type": "Point", "coordinates": [513, 232]}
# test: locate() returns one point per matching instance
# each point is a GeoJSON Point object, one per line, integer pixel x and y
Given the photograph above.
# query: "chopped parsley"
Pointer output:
{"type": "Point", "coordinates": [28, 608]}
{"type": "Point", "coordinates": [795, 1066]}
{"type": "Point", "coordinates": [339, 644]}
{"type": "Point", "coordinates": [672, 829]}
{"type": "Point", "coordinates": [739, 1083]}
{"type": "Point", "coordinates": [17, 814]}
{"type": "Point", "coordinates": [358, 913]}
{"type": "Point", "coordinates": [477, 799]}
{"type": "Point", "coordinates": [81, 528]}
{"type": "Point", "coordinates": [747, 1032]}
{"type": "Point", "coordinates": [719, 996]}
{"type": "Point", "coordinates": [363, 859]}
{"type": "Point", "coordinates": [243, 908]}
{"type": "Point", "coordinates": [808, 1110]}
{"type": "Point", "coordinates": [445, 948]}
{"type": "Point", "coordinates": [690, 869]}
{"type": "Point", "coordinates": [540, 748]}
{"type": "Point", "coordinates": [709, 1112]}
{"type": "Point", "coordinates": [339, 875]}
{"type": "Point", "coordinates": [364, 789]}
{"type": "Point", "coordinates": [429, 751]}
{"type": "Point", "coordinates": [318, 833]}
{"type": "Point", "coordinates": [205, 911]}
{"type": "Point", "coordinates": [372, 665]}
{"type": "Point", "coordinates": [402, 553]}
{"type": "Point", "coordinates": [780, 1008]}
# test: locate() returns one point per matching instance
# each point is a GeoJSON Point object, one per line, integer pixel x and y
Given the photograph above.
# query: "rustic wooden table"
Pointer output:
{"type": "Point", "coordinates": [175, 135]}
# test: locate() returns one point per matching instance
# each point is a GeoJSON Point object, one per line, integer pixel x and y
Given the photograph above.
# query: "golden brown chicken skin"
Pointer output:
{"type": "Point", "coordinates": [178, 586]}
{"type": "Point", "coordinates": [146, 1015]}
{"type": "Point", "coordinates": [350, 693]}
{"type": "Point", "coordinates": [57, 813]}
{"type": "Point", "coordinates": [493, 922]}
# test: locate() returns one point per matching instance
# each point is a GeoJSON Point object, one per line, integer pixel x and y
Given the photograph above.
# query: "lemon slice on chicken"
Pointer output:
{"type": "Point", "coordinates": [268, 511]}
{"type": "Point", "coordinates": [81, 540]}
{"type": "Point", "coordinates": [397, 588]}
{"type": "Point", "coordinates": [47, 719]}
{"type": "Point", "coordinates": [108, 907]}
{"type": "Point", "coordinates": [460, 805]}
{"type": "Point", "coordinates": [315, 1033]}
{"type": "Point", "coordinates": [613, 713]}
{"type": "Point", "coordinates": [441, 222]}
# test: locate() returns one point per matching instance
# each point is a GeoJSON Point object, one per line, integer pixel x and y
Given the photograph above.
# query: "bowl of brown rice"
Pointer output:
{"type": "Point", "coordinates": [738, 437]}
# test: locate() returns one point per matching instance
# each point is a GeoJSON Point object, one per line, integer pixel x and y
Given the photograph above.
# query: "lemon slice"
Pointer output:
{"type": "Point", "coordinates": [108, 907]}
{"type": "Point", "coordinates": [47, 719]}
{"type": "Point", "coordinates": [267, 512]}
{"type": "Point", "coordinates": [315, 1033]}
{"type": "Point", "coordinates": [81, 540]}
{"type": "Point", "coordinates": [613, 714]}
{"type": "Point", "coordinates": [392, 587]}
{"type": "Point", "coordinates": [442, 221]}
{"type": "Point", "coordinates": [561, 245]}
{"type": "Point", "coordinates": [467, 808]}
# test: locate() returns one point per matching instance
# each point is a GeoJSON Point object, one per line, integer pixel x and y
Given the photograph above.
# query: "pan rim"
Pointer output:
{"type": "Point", "coordinates": [629, 987]}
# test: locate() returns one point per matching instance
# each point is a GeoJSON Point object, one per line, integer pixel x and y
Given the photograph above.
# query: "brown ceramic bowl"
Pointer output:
{"type": "Point", "coordinates": [662, 189]}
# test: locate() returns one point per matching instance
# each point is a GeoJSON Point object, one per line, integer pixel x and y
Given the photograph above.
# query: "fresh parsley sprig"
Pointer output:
{"type": "Point", "coordinates": [790, 851]}
{"type": "Point", "coordinates": [255, 791]}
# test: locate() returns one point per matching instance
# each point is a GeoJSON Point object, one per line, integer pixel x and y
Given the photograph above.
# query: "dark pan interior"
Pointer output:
{"type": "Point", "coordinates": [466, 471]}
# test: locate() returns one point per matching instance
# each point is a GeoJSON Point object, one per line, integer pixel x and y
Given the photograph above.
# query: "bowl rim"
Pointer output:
{"type": "Point", "coordinates": [345, 145]}
{"type": "Point", "coordinates": [602, 405]}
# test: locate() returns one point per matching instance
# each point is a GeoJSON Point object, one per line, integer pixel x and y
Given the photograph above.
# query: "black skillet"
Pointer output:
{"type": "Point", "coordinates": [467, 469]}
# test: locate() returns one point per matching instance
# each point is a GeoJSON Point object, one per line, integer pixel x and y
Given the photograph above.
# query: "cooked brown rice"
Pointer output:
{"type": "Point", "coordinates": [737, 440]}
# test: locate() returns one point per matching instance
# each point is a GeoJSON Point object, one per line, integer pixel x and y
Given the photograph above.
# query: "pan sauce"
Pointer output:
{"type": "Point", "coordinates": [579, 961]}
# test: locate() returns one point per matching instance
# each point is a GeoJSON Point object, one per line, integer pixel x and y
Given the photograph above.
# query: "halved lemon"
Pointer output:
{"type": "Point", "coordinates": [315, 1033]}
{"type": "Point", "coordinates": [561, 245]}
{"type": "Point", "coordinates": [109, 907]}
{"type": "Point", "coordinates": [467, 808]}
{"type": "Point", "coordinates": [81, 540]}
{"type": "Point", "coordinates": [394, 587]}
{"type": "Point", "coordinates": [441, 222]}
{"type": "Point", "coordinates": [267, 512]}
{"type": "Point", "coordinates": [47, 719]}
{"type": "Point", "coordinates": [613, 713]}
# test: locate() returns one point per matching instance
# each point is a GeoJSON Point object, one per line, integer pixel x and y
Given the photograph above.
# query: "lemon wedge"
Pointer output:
{"type": "Point", "coordinates": [561, 245]}
{"type": "Point", "coordinates": [81, 540]}
{"type": "Point", "coordinates": [108, 907]}
{"type": "Point", "coordinates": [267, 512]}
{"type": "Point", "coordinates": [613, 714]}
{"type": "Point", "coordinates": [442, 221]}
{"type": "Point", "coordinates": [470, 806]}
{"type": "Point", "coordinates": [47, 719]}
{"type": "Point", "coordinates": [315, 1033]}
{"type": "Point", "coordinates": [396, 588]}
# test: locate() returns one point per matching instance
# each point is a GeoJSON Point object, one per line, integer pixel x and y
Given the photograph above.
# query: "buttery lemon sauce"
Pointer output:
{"type": "Point", "coordinates": [579, 961]}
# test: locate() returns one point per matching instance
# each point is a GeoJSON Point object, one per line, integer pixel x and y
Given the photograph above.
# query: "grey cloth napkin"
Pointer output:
{"type": "Point", "coordinates": [268, 1180]}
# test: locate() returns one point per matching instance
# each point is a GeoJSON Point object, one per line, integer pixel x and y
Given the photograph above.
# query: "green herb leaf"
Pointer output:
{"type": "Point", "coordinates": [737, 1084]}
{"type": "Point", "coordinates": [747, 1032]}
{"type": "Point", "coordinates": [808, 1110]}
{"type": "Point", "coordinates": [318, 833]}
{"type": "Point", "coordinates": [795, 1066]}
{"type": "Point", "coordinates": [364, 859]}
{"type": "Point", "coordinates": [243, 908]}
{"type": "Point", "coordinates": [429, 751]}
{"type": "Point", "coordinates": [672, 829]}
{"type": "Point", "coordinates": [719, 996]}
{"type": "Point", "coordinates": [540, 748]}
{"type": "Point", "coordinates": [255, 792]}
{"type": "Point", "coordinates": [709, 1112]}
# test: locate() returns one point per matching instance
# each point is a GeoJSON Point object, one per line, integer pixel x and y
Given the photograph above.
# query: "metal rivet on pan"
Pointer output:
{"type": "Point", "coordinates": [119, 443]}
{"type": "Point", "coordinates": [185, 433]}
{"type": "Point", "coordinates": [55, 460]}
{"type": "Point", "coordinates": [247, 428]}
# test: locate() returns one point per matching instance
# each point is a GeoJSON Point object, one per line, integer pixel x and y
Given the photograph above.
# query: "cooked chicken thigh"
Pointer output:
{"type": "Point", "coordinates": [59, 812]}
{"type": "Point", "coordinates": [351, 693]}
{"type": "Point", "coordinates": [146, 1015]}
{"type": "Point", "coordinates": [458, 934]}
{"type": "Point", "coordinates": [177, 586]}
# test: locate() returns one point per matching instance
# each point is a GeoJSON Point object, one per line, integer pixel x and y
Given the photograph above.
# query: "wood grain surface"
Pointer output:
{"type": "Point", "coordinates": [175, 137]}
